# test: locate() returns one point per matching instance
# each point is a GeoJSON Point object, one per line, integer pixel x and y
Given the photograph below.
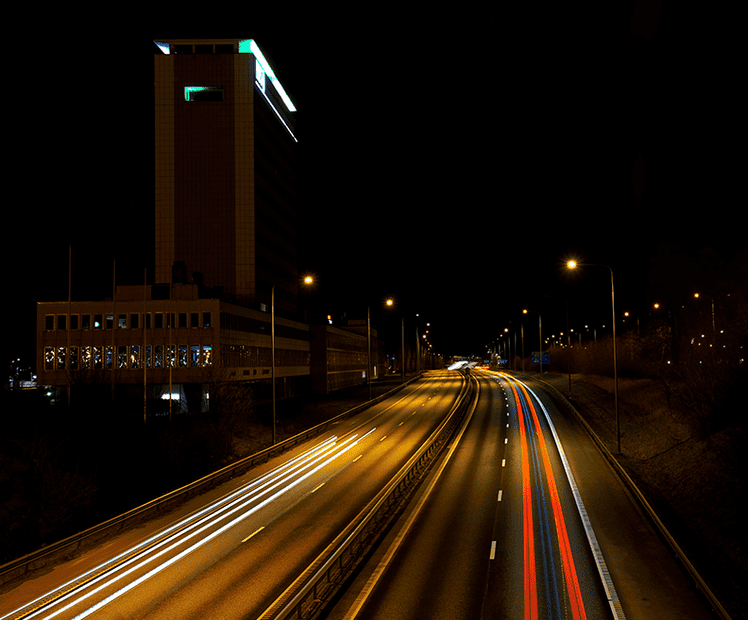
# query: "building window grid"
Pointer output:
{"type": "Point", "coordinates": [126, 356]}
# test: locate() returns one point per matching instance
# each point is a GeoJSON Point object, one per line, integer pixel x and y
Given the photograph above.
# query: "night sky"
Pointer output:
{"type": "Point", "coordinates": [453, 161]}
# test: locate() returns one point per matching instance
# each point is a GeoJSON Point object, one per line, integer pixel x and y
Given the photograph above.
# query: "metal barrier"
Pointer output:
{"type": "Point", "coordinates": [308, 595]}
{"type": "Point", "coordinates": [690, 569]}
{"type": "Point", "coordinates": [68, 546]}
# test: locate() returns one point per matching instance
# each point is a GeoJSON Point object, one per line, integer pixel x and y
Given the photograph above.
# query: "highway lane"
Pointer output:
{"type": "Point", "coordinates": [499, 535]}
{"type": "Point", "coordinates": [233, 556]}
{"type": "Point", "coordinates": [650, 583]}
{"type": "Point", "coordinates": [559, 575]}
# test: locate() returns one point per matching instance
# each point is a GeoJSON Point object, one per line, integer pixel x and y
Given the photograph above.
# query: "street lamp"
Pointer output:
{"type": "Point", "coordinates": [573, 265]}
{"type": "Point", "coordinates": [540, 336]}
{"type": "Point", "coordinates": [391, 302]}
{"type": "Point", "coordinates": [307, 281]}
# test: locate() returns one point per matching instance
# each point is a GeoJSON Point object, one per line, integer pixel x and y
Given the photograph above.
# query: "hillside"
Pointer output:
{"type": "Point", "coordinates": [695, 480]}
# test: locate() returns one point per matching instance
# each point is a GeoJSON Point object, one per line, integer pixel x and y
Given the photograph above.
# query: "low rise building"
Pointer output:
{"type": "Point", "coordinates": [171, 344]}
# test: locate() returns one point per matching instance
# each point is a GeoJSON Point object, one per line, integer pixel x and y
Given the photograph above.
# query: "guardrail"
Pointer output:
{"type": "Point", "coordinates": [68, 546]}
{"type": "Point", "coordinates": [690, 569]}
{"type": "Point", "coordinates": [309, 594]}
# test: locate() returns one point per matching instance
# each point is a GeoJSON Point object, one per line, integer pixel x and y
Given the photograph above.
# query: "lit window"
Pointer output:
{"type": "Point", "coordinates": [121, 356]}
{"type": "Point", "coordinates": [86, 358]}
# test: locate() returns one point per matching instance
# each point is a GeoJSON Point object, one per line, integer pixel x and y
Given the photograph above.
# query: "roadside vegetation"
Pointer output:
{"type": "Point", "coordinates": [684, 435]}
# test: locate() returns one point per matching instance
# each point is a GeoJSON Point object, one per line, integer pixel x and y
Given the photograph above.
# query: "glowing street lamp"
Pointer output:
{"type": "Point", "coordinates": [390, 303]}
{"type": "Point", "coordinates": [573, 265]}
{"type": "Point", "coordinates": [307, 281]}
{"type": "Point", "coordinates": [540, 336]}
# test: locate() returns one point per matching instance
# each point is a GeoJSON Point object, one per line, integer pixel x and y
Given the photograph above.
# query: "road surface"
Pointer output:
{"type": "Point", "coordinates": [496, 530]}
{"type": "Point", "coordinates": [230, 554]}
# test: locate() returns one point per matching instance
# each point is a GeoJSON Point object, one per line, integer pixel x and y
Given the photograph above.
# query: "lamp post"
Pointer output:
{"type": "Point", "coordinates": [573, 265]}
{"type": "Point", "coordinates": [568, 338]}
{"type": "Point", "coordinates": [540, 333]}
{"type": "Point", "coordinates": [390, 303]}
{"type": "Point", "coordinates": [307, 281]}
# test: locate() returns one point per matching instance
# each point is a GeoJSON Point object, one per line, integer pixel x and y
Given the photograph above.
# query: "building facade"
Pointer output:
{"type": "Point", "coordinates": [341, 357]}
{"type": "Point", "coordinates": [226, 237]}
{"type": "Point", "coordinates": [225, 165]}
{"type": "Point", "coordinates": [169, 340]}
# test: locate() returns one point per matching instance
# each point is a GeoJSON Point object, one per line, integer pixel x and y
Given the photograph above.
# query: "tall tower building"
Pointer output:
{"type": "Point", "coordinates": [225, 167]}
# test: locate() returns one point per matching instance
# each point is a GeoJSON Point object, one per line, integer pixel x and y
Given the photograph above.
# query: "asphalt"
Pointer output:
{"type": "Point", "coordinates": [299, 413]}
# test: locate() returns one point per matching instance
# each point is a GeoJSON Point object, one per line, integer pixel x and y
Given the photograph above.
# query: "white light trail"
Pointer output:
{"type": "Point", "coordinates": [208, 538]}
{"type": "Point", "coordinates": [229, 504]}
{"type": "Point", "coordinates": [196, 516]}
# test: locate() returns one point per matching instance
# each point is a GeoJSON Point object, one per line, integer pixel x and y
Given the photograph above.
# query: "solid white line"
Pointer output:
{"type": "Point", "coordinates": [613, 600]}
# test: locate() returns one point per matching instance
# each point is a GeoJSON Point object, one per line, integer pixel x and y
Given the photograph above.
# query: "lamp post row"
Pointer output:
{"type": "Point", "coordinates": [573, 265]}
{"type": "Point", "coordinates": [307, 281]}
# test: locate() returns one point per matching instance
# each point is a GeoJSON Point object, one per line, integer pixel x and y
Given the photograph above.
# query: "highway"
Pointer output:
{"type": "Point", "coordinates": [496, 531]}
{"type": "Point", "coordinates": [506, 524]}
{"type": "Point", "coordinates": [233, 552]}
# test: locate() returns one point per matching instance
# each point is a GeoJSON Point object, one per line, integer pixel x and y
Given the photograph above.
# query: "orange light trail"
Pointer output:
{"type": "Point", "coordinates": [571, 579]}
{"type": "Point", "coordinates": [530, 579]}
